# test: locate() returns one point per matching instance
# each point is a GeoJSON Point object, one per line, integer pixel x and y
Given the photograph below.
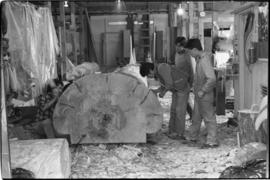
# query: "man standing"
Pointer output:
{"type": "Point", "coordinates": [182, 76]}
{"type": "Point", "coordinates": [204, 83]}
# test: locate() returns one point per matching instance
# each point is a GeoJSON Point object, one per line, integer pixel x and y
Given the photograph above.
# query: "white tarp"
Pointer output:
{"type": "Point", "coordinates": [33, 44]}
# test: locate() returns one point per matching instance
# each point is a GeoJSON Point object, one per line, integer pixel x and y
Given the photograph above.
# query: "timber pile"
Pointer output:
{"type": "Point", "coordinates": [107, 108]}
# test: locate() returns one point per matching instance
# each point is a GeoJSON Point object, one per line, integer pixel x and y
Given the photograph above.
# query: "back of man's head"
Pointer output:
{"type": "Point", "coordinates": [145, 68]}
{"type": "Point", "coordinates": [194, 43]}
{"type": "Point", "coordinates": [181, 40]}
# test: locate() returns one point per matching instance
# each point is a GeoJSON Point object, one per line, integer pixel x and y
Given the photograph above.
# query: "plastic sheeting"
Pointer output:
{"type": "Point", "coordinates": [33, 44]}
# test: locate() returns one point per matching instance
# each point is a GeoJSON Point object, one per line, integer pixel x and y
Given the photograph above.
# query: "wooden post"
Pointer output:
{"type": "Point", "coordinates": [159, 47]}
{"type": "Point", "coordinates": [179, 25]}
{"type": "Point", "coordinates": [173, 32]}
{"type": "Point", "coordinates": [191, 19]}
{"type": "Point", "coordinates": [201, 33]}
{"type": "Point", "coordinates": [92, 44]}
{"type": "Point", "coordinates": [81, 35]}
{"type": "Point", "coordinates": [73, 29]}
{"type": "Point", "coordinates": [4, 149]}
{"type": "Point", "coordinates": [49, 4]}
{"type": "Point", "coordinates": [63, 38]}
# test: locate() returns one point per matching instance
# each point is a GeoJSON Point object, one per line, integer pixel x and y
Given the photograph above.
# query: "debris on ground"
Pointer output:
{"type": "Point", "coordinates": [167, 158]}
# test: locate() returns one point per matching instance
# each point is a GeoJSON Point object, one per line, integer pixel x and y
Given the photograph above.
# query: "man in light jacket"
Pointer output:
{"type": "Point", "coordinates": [204, 83]}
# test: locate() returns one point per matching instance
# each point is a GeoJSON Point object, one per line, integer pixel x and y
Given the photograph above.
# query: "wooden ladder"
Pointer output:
{"type": "Point", "coordinates": [145, 35]}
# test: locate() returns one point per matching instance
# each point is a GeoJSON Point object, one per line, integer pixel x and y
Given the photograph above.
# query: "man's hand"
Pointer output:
{"type": "Point", "coordinates": [200, 94]}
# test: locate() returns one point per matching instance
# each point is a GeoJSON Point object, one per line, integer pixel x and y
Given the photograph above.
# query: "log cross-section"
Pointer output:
{"type": "Point", "coordinates": [107, 108]}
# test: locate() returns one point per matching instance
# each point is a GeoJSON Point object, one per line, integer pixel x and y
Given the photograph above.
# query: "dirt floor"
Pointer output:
{"type": "Point", "coordinates": [167, 159]}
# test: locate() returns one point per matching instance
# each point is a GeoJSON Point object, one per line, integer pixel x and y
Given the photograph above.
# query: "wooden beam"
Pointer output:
{"type": "Point", "coordinates": [81, 35]}
{"type": "Point", "coordinates": [91, 38]}
{"type": "Point", "coordinates": [49, 4]}
{"type": "Point", "coordinates": [4, 148]}
{"type": "Point", "coordinates": [191, 19]}
{"type": "Point", "coordinates": [103, 12]}
{"type": "Point", "coordinates": [73, 28]}
{"type": "Point", "coordinates": [240, 38]}
{"type": "Point", "coordinates": [72, 14]}
{"type": "Point", "coordinates": [244, 7]}
{"type": "Point", "coordinates": [63, 38]}
{"type": "Point", "coordinates": [201, 28]}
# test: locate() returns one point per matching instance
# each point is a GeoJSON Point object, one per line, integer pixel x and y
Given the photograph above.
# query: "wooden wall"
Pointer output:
{"type": "Point", "coordinates": [112, 40]}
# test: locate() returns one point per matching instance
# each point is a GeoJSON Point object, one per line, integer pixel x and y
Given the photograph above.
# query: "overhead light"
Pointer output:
{"type": "Point", "coordinates": [119, 6]}
{"type": "Point", "coordinates": [66, 4]}
{"type": "Point", "coordinates": [180, 10]}
{"type": "Point", "coordinates": [202, 14]}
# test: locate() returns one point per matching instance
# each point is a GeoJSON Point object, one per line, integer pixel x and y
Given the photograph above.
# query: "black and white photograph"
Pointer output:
{"type": "Point", "coordinates": [120, 89]}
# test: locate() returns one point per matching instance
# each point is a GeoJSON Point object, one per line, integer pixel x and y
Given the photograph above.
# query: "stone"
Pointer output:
{"type": "Point", "coordinates": [46, 158]}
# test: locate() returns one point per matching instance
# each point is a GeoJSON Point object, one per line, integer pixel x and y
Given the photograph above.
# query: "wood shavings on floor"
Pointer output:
{"type": "Point", "coordinates": [167, 159]}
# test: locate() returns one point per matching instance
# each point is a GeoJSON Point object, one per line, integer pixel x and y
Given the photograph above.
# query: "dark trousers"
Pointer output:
{"type": "Point", "coordinates": [189, 110]}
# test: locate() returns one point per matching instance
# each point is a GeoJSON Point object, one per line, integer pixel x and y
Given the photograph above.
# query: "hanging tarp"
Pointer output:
{"type": "Point", "coordinates": [33, 44]}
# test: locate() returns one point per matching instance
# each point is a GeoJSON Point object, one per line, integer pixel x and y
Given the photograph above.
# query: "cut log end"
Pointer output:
{"type": "Point", "coordinates": [107, 108]}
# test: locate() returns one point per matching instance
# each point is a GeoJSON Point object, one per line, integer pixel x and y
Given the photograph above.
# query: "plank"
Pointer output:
{"type": "Point", "coordinates": [63, 38]}
{"type": "Point", "coordinates": [107, 108]}
{"type": "Point", "coordinates": [126, 42]}
{"type": "Point", "coordinates": [159, 46]}
{"type": "Point", "coordinates": [4, 148]}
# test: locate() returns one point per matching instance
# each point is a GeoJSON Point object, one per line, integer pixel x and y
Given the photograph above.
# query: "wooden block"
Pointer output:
{"type": "Point", "coordinates": [247, 128]}
{"type": "Point", "coordinates": [107, 108]}
{"type": "Point", "coordinates": [46, 158]}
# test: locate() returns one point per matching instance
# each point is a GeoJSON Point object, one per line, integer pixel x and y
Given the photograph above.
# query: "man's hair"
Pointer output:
{"type": "Point", "coordinates": [182, 40]}
{"type": "Point", "coordinates": [57, 82]}
{"type": "Point", "coordinates": [194, 43]}
{"type": "Point", "coordinates": [145, 68]}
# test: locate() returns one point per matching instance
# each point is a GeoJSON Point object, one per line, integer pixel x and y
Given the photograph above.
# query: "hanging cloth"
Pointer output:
{"type": "Point", "coordinates": [33, 44]}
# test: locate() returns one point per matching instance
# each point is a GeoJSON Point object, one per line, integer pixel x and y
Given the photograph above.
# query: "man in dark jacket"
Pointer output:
{"type": "Point", "coordinates": [180, 94]}
{"type": "Point", "coordinates": [204, 83]}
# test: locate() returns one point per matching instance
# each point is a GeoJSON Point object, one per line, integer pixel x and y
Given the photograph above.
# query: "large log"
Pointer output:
{"type": "Point", "coordinates": [46, 158]}
{"type": "Point", "coordinates": [107, 108]}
